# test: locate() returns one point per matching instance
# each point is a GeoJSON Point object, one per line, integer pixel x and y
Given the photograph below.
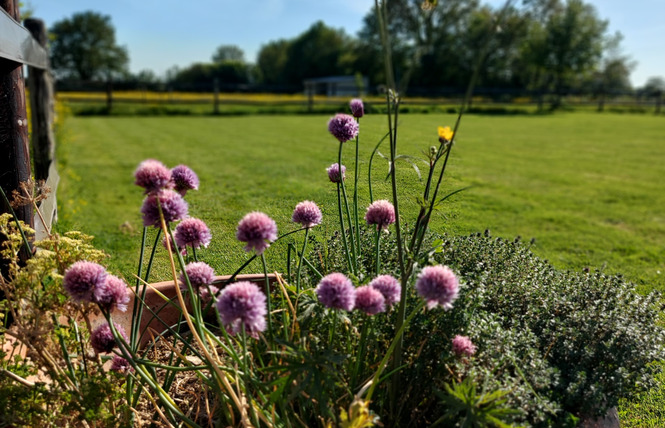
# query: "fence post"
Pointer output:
{"type": "Point", "coordinates": [216, 96]}
{"type": "Point", "coordinates": [14, 146]}
{"type": "Point", "coordinates": [40, 84]}
{"type": "Point", "coordinates": [659, 101]}
{"type": "Point", "coordinates": [42, 102]}
{"type": "Point", "coordinates": [109, 96]}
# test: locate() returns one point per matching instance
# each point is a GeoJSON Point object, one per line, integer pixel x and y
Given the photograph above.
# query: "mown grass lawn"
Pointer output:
{"type": "Point", "coordinates": [588, 187]}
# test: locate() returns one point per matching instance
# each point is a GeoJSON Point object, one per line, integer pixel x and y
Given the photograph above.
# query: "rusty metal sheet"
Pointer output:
{"type": "Point", "coordinates": [18, 45]}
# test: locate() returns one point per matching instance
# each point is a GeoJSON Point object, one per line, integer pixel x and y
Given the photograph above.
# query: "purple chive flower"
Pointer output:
{"type": "Point", "coordinates": [152, 175]}
{"type": "Point", "coordinates": [207, 293]}
{"type": "Point", "coordinates": [257, 230]}
{"type": "Point", "coordinates": [381, 213]}
{"type": "Point", "coordinates": [82, 279]}
{"type": "Point", "coordinates": [336, 291]}
{"type": "Point", "coordinates": [463, 346]}
{"type": "Point", "coordinates": [370, 300]}
{"type": "Point", "coordinates": [112, 294]}
{"type": "Point", "coordinates": [389, 287]}
{"type": "Point", "coordinates": [343, 127]}
{"type": "Point", "coordinates": [120, 365]}
{"type": "Point", "coordinates": [333, 173]}
{"type": "Point", "coordinates": [192, 232]}
{"type": "Point", "coordinates": [199, 274]}
{"type": "Point", "coordinates": [307, 213]}
{"type": "Point", "coordinates": [438, 285]}
{"type": "Point", "coordinates": [243, 304]}
{"type": "Point", "coordinates": [102, 339]}
{"type": "Point", "coordinates": [173, 205]}
{"type": "Point", "coordinates": [184, 179]}
{"type": "Point", "coordinates": [357, 108]}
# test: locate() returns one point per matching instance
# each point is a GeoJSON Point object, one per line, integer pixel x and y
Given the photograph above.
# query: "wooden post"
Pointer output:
{"type": "Point", "coordinates": [14, 146]}
{"type": "Point", "coordinates": [109, 96]}
{"type": "Point", "coordinates": [40, 84]}
{"type": "Point", "coordinates": [216, 96]}
{"type": "Point", "coordinates": [659, 101]}
{"type": "Point", "coordinates": [310, 96]}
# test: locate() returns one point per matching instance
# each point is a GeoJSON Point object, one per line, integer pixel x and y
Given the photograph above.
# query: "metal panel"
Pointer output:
{"type": "Point", "coordinates": [18, 45]}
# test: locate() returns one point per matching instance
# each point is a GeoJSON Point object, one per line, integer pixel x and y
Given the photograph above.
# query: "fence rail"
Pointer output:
{"type": "Point", "coordinates": [19, 46]}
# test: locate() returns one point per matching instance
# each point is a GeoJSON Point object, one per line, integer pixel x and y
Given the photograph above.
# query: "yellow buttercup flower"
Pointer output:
{"type": "Point", "coordinates": [445, 133]}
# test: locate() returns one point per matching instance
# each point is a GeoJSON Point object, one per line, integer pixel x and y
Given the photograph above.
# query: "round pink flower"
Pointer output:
{"type": "Point", "coordinates": [380, 213]}
{"type": "Point", "coordinates": [184, 179]}
{"type": "Point", "coordinates": [173, 206]}
{"type": "Point", "coordinates": [357, 108]}
{"type": "Point", "coordinates": [438, 285]}
{"type": "Point", "coordinates": [102, 339]}
{"type": "Point", "coordinates": [120, 365]}
{"type": "Point", "coordinates": [82, 279]}
{"type": "Point", "coordinates": [112, 294]}
{"type": "Point", "coordinates": [152, 175]}
{"type": "Point", "coordinates": [389, 287]}
{"type": "Point", "coordinates": [370, 300]}
{"type": "Point", "coordinates": [199, 274]}
{"type": "Point", "coordinates": [208, 292]}
{"type": "Point", "coordinates": [333, 173]}
{"type": "Point", "coordinates": [307, 213]}
{"type": "Point", "coordinates": [343, 127]}
{"type": "Point", "coordinates": [336, 291]}
{"type": "Point", "coordinates": [257, 230]}
{"type": "Point", "coordinates": [463, 346]}
{"type": "Point", "coordinates": [243, 304]}
{"type": "Point", "coordinates": [192, 232]}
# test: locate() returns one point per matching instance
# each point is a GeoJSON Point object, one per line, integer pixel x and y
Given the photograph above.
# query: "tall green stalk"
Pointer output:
{"type": "Point", "coordinates": [340, 181]}
{"type": "Point", "coordinates": [302, 256]}
{"type": "Point", "coordinates": [354, 265]}
{"type": "Point", "coordinates": [355, 197]}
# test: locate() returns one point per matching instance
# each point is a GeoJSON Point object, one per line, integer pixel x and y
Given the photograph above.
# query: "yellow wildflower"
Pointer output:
{"type": "Point", "coordinates": [445, 133]}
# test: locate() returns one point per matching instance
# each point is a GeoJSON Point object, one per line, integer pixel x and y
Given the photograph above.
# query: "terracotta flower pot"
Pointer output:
{"type": "Point", "coordinates": [166, 314]}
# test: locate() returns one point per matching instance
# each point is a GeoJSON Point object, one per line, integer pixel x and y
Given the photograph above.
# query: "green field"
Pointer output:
{"type": "Point", "coordinates": [587, 187]}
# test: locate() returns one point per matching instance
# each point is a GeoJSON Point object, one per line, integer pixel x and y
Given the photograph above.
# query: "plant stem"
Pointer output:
{"type": "Point", "coordinates": [397, 339]}
{"type": "Point", "coordinates": [377, 246]}
{"type": "Point", "coordinates": [354, 267]}
{"type": "Point", "coordinates": [341, 224]}
{"type": "Point", "coordinates": [357, 371]}
{"type": "Point", "coordinates": [302, 256]}
{"type": "Point", "coordinates": [355, 198]}
{"type": "Point", "coordinates": [247, 376]}
{"type": "Point", "coordinates": [267, 289]}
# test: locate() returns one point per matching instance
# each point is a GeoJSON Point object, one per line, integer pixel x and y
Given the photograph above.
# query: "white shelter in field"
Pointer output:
{"type": "Point", "coordinates": [333, 86]}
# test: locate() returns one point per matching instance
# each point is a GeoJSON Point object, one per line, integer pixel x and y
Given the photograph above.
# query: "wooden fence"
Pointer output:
{"type": "Point", "coordinates": [19, 46]}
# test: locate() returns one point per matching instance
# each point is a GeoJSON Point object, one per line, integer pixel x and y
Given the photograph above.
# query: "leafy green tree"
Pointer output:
{"type": "Point", "coordinates": [228, 53]}
{"type": "Point", "coordinates": [84, 47]}
{"type": "Point", "coordinates": [655, 86]}
{"type": "Point", "coordinates": [567, 42]}
{"type": "Point", "coordinates": [317, 52]}
{"type": "Point", "coordinates": [271, 62]}
{"type": "Point", "coordinates": [202, 75]}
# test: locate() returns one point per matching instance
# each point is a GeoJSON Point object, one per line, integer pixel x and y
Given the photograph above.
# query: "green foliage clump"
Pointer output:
{"type": "Point", "coordinates": [58, 382]}
{"type": "Point", "coordinates": [593, 333]}
{"type": "Point", "coordinates": [556, 346]}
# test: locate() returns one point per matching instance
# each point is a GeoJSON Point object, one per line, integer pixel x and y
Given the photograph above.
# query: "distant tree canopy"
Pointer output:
{"type": "Point", "coordinates": [228, 53]}
{"type": "Point", "coordinates": [84, 47]}
{"type": "Point", "coordinates": [552, 46]}
{"type": "Point", "coordinates": [319, 51]}
{"type": "Point", "coordinates": [547, 46]}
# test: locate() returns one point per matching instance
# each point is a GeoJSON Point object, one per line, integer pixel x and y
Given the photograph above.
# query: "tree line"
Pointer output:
{"type": "Point", "coordinates": [542, 46]}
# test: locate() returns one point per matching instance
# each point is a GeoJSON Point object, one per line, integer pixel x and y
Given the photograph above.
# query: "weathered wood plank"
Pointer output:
{"type": "Point", "coordinates": [18, 45]}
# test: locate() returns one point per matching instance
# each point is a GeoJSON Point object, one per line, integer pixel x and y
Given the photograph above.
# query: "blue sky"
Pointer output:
{"type": "Point", "coordinates": [163, 33]}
